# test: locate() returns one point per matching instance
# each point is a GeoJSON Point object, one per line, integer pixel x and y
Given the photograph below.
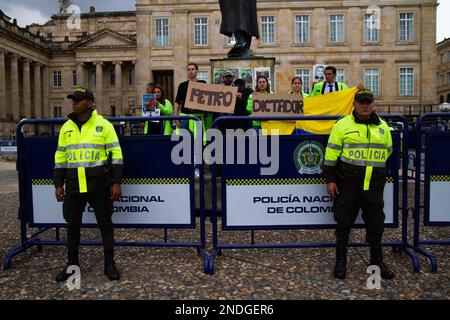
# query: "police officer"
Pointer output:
{"type": "Point", "coordinates": [89, 163]}
{"type": "Point", "coordinates": [355, 169]}
{"type": "Point", "coordinates": [329, 85]}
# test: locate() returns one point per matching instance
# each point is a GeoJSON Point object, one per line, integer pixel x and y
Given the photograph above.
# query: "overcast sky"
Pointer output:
{"type": "Point", "coordinates": [39, 11]}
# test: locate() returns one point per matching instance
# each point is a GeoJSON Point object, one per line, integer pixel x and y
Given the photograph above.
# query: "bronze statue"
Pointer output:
{"type": "Point", "coordinates": [64, 5]}
{"type": "Point", "coordinates": [239, 18]}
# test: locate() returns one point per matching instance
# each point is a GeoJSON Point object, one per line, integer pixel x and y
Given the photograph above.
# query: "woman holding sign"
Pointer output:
{"type": "Point", "coordinates": [262, 86]}
{"type": "Point", "coordinates": [166, 109]}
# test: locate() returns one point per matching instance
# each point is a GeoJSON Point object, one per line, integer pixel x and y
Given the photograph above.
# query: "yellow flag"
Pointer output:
{"type": "Point", "coordinates": [336, 103]}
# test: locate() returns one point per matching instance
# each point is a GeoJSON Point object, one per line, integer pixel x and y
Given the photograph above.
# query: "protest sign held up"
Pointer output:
{"type": "Point", "coordinates": [211, 97]}
{"type": "Point", "coordinates": [277, 105]}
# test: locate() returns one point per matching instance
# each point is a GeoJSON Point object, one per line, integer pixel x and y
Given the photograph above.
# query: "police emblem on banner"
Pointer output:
{"type": "Point", "coordinates": [308, 157]}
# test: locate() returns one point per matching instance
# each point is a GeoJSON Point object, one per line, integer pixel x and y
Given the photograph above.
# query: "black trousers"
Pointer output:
{"type": "Point", "coordinates": [346, 208]}
{"type": "Point", "coordinates": [73, 207]}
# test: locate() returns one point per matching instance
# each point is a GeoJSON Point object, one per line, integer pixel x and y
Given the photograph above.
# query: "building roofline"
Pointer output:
{"type": "Point", "coordinates": [96, 14]}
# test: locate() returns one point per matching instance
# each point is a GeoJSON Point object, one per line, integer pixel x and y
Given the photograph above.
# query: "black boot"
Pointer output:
{"type": "Point", "coordinates": [340, 269]}
{"type": "Point", "coordinates": [376, 258]}
{"type": "Point", "coordinates": [111, 271]}
{"type": "Point", "coordinates": [63, 275]}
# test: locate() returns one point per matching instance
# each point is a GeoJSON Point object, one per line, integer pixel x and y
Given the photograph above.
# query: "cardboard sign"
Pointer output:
{"type": "Point", "coordinates": [211, 97]}
{"type": "Point", "coordinates": [281, 104]}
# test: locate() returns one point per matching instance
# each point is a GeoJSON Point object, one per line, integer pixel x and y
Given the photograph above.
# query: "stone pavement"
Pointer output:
{"type": "Point", "coordinates": [177, 273]}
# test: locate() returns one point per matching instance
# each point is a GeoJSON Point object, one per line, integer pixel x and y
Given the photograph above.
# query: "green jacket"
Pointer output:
{"type": "Point", "coordinates": [166, 110]}
{"type": "Point", "coordinates": [319, 88]}
{"type": "Point", "coordinates": [81, 160]}
{"type": "Point", "coordinates": [357, 152]}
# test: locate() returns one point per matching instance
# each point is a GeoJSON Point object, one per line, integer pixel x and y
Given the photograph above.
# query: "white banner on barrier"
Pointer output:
{"type": "Point", "coordinates": [439, 201]}
{"type": "Point", "coordinates": [288, 205]}
{"type": "Point", "coordinates": [140, 204]}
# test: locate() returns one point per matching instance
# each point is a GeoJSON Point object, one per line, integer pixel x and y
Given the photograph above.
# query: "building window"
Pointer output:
{"type": "Point", "coordinates": [201, 31]}
{"type": "Point", "coordinates": [131, 76]}
{"type": "Point", "coordinates": [301, 29]}
{"type": "Point", "coordinates": [74, 78]}
{"type": "Point", "coordinates": [57, 80]}
{"type": "Point", "coordinates": [340, 75]}
{"type": "Point", "coordinates": [441, 80]}
{"type": "Point", "coordinates": [268, 29]}
{"type": "Point", "coordinates": [441, 61]}
{"type": "Point", "coordinates": [372, 80]}
{"type": "Point", "coordinates": [406, 82]}
{"type": "Point", "coordinates": [371, 30]}
{"type": "Point", "coordinates": [304, 75]}
{"type": "Point", "coordinates": [93, 78]}
{"type": "Point", "coordinates": [57, 112]}
{"type": "Point", "coordinates": [406, 27]}
{"type": "Point", "coordinates": [112, 75]}
{"type": "Point", "coordinates": [231, 41]}
{"type": "Point", "coordinates": [113, 111]}
{"type": "Point", "coordinates": [162, 33]}
{"type": "Point", "coordinates": [337, 28]}
{"type": "Point", "coordinates": [448, 56]}
{"type": "Point", "coordinates": [441, 99]}
{"type": "Point", "coordinates": [202, 75]}
{"type": "Point", "coordinates": [448, 78]}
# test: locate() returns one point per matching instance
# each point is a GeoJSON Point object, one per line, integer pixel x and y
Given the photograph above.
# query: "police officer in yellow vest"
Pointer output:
{"type": "Point", "coordinates": [89, 163]}
{"type": "Point", "coordinates": [355, 169]}
{"type": "Point", "coordinates": [329, 85]}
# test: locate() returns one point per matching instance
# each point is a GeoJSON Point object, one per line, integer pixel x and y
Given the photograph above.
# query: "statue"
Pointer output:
{"type": "Point", "coordinates": [239, 18]}
{"type": "Point", "coordinates": [64, 5]}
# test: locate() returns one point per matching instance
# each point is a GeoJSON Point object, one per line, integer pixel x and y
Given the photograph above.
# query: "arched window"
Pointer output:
{"type": "Point", "coordinates": [441, 99]}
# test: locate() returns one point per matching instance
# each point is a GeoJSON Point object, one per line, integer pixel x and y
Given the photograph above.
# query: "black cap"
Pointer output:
{"type": "Point", "coordinates": [364, 95]}
{"type": "Point", "coordinates": [81, 94]}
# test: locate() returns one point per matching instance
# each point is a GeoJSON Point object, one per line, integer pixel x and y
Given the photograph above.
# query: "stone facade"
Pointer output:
{"type": "Point", "coordinates": [122, 51]}
{"type": "Point", "coordinates": [443, 71]}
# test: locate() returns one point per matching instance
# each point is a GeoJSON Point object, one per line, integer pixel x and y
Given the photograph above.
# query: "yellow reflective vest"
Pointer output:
{"type": "Point", "coordinates": [82, 155]}
{"type": "Point", "coordinates": [357, 149]}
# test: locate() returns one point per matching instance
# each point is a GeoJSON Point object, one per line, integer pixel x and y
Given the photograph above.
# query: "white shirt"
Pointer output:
{"type": "Point", "coordinates": [329, 87]}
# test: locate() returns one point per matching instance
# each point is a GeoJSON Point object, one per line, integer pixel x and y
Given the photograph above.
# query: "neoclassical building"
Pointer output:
{"type": "Point", "coordinates": [443, 71]}
{"type": "Point", "coordinates": [388, 45]}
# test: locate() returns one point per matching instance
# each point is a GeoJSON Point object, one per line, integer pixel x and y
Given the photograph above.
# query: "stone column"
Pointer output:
{"type": "Point", "coordinates": [119, 109]}
{"type": "Point", "coordinates": [143, 62]}
{"type": "Point", "coordinates": [26, 88]}
{"type": "Point", "coordinates": [80, 74]}
{"type": "Point", "coordinates": [99, 85]}
{"type": "Point", "coordinates": [15, 102]}
{"type": "Point", "coordinates": [37, 91]}
{"type": "Point", "coordinates": [47, 108]}
{"type": "Point", "coordinates": [2, 85]}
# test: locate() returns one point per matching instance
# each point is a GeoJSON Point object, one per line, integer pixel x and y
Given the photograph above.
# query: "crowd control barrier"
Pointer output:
{"type": "Point", "coordinates": [432, 196]}
{"type": "Point", "coordinates": [156, 193]}
{"type": "Point", "coordinates": [295, 197]}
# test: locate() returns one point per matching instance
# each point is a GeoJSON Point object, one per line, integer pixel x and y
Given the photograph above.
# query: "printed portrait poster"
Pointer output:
{"type": "Point", "coordinates": [149, 105]}
{"type": "Point", "coordinates": [319, 72]}
{"type": "Point", "coordinates": [247, 76]}
{"type": "Point", "coordinates": [235, 72]}
{"type": "Point", "coordinates": [262, 70]}
{"type": "Point", "coordinates": [218, 75]}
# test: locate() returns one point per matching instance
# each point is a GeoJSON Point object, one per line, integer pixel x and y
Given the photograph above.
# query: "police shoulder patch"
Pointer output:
{"type": "Point", "coordinates": [99, 129]}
